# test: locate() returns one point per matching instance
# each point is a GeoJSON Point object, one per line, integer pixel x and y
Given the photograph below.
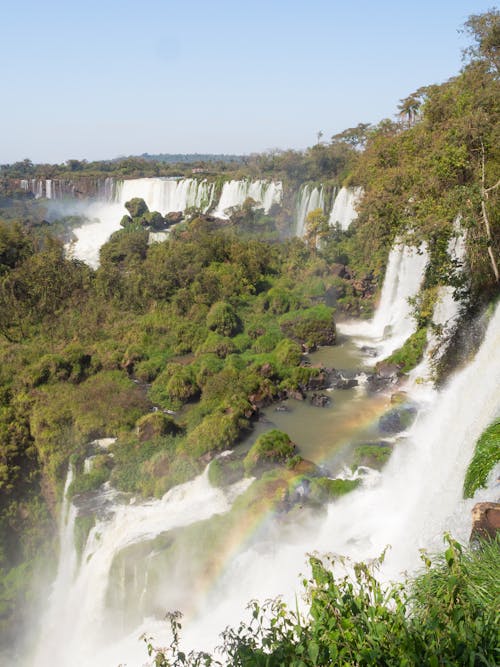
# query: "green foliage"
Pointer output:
{"type": "Point", "coordinates": [373, 455]}
{"type": "Point", "coordinates": [313, 326]}
{"type": "Point", "coordinates": [446, 616]}
{"type": "Point", "coordinates": [269, 448]}
{"type": "Point", "coordinates": [485, 458]}
{"type": "Point", "coordinates": [136, 207]}
{"type": "Point", "coordinates": [222, 319]}
{"type": "Point", "coordinates": [410, 354]}
{"type": "Point", "coordinates": [323, 489]}
{"type": "Point", "coordinates": [174, 386]}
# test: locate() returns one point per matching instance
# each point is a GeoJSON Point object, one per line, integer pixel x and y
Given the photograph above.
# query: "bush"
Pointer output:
{"type": "Point", "coordinates": [222, 319]}
{"type": "Point", "coordinates": [174, 386]}
{"type": "Point", "coordinates": [312, 326]}
{"type": "Point", "coordinates": [448, 615]}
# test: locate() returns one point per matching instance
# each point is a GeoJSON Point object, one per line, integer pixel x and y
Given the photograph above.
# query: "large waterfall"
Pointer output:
{"type": "Point", "coordinates": [234, 193]}
{"type": "Point", "coordinates": [166, 194]}
{"type": "Point", "coordinates": [309, 199]}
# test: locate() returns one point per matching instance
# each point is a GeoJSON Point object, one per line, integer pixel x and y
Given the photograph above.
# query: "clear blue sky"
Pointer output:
{"type": "Point", "coordinates": [97, 79]}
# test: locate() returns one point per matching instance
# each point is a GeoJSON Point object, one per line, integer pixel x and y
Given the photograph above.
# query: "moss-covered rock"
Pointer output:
{"type": "Point", "coordinates": [155, 425]}
{"type": "Point", "coordinates": [324, 489]}
{"type": "Point", "coordinates": [372, 454]}
{"type": "Point", "coordinates": [485, 458]}
{"type": "Point", "coordinates": [270, 448]}
{"type": "Point", "coordinates": [397, 419]}
{"type": "Point", "coordinates": [225, 470]}
{"type": "Point", "coordinates": [411, 353]}
{"type": "Point", "coordinates": [136, 207]}
{"type": "Point", "coordinates": [311, 326]}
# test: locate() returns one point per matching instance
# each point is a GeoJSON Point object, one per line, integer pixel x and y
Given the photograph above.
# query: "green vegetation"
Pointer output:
{"type": "Point", "coordinates": [374, 455]}
{"type": "Point", "coordinates": [486, 456]}
{"type": "Point", "coordinates": [447, 615]}
{"type": "Point", "coordinates": [411, 352]}
{"type": "Point", "coordinates": [211, 324]}
{"type": "Point", "coordinates": [271, 447]}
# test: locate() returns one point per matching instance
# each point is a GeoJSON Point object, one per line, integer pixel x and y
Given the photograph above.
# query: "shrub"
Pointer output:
{"type": "Point", "coordinates": [314, 326]}
{"type": "Point", "coordinates": [223, 319]}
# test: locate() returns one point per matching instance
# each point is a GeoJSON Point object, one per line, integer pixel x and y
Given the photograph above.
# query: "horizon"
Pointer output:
{"type": "Point", "coordinates": [100, 82]}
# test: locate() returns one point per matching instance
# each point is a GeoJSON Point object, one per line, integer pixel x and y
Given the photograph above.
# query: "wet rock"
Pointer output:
{"type": "Point", "coordinates": [174, 217]}
{"type": "Point", "coordinates": [376, 382]}
{"type": "Point", "coordinates": [485, 521]}
{"type": "Point", "coordinates": [369, 351]}
{"type": "Point", "coordinates": [386, 370]}
{"type": "Point", "coordinates": [319, 381]}
{"type": "Point", "coordinates": [397, 419]}
{"type": "Point", "coordinates": [297, 394]}
{"type": "Point", "coordinates": [320, 400]}
{"type": "Point", "coordinates": [342, 380]}
{"type": "Point", "coordinates": [282, 408]}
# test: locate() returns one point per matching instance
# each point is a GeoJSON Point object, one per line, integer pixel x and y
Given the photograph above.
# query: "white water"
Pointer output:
{"type": "Point", "coordinates": [393, 322]}
{"type": "Point", "coordinates": [344, 207]}
{"type": "Point", "coordinates": [56, 622]}
{"type": "Point", "coordinates": [77, 607]}
{"type": "Point", "coordinates": [167, 195]}
{"type": "Point", "coordinates": [409, 506]}
{"type": "Point", "coordinates": [91, 236]}
{"type": "Point", "coordinates": [309, 199]}
{"type": "Point", "coordinates": [234, 193]}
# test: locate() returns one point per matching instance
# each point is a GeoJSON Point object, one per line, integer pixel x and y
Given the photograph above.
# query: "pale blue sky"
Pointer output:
{"type": "Point", "coordinates": [97, 79]}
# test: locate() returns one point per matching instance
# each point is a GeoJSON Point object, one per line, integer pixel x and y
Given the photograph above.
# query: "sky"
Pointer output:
{"type": "Point", "coordinates": [94, 79]}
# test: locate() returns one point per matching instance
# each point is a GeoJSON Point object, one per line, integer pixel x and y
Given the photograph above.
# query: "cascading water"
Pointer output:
{"type": "Point", "coordinates": [56, 622]}
{"type": "Point", "coordinates": [344, 207]}
{"type": "Point", "coordinates": [234, 193]}
{"type": "Point", "coordinates": [408, 506]}
{"type": "Point", "coordinates": [393, 322]}
{"type": "Point", "coordinates": [166, 194]}
{"type": "Point", "coordinates": [77, 606]}
{"type": "Point", "coordinates": [309, 199]}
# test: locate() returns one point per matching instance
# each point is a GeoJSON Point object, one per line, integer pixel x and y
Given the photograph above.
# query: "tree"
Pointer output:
{"type": "Point", "coordinates": [485, 30]}
{"type": "Point", "coordinates": [316, 228]}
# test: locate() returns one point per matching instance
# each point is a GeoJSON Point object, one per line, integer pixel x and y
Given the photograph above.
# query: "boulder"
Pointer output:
{"type": "Point", "coordinates": [320, 400]}
{"type": "Point", "coordinates": [174, 217]}
{"type": "Point", "coordinates": [485, 521]}
{"type": "Point", "coordinates": [341, 380]}
{"type": "Point", "coordinates": [137, 207]}
{"type": "Point", "coordinates": [386, 370]}
{"type": "Point", "coordinates": [398, 419]}
{"type": "Point", "coordinates": [297, 394]}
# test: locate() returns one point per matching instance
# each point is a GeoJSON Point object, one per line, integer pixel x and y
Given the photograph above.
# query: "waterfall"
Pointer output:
{"type": "Point", "coordinates": [56, 622]}
{"type": "Point", "coordinates": [344, 207]}
{"type": "Point", "coordinates": [167, 194]}
{"type": "Point", "coordinates": [77, 608]}
{"type": "Point", "coordinates": [234, 193]}
{"type": "Point", "coordinates": [393, 322]}
{"type": "Point", "coordinates": [408, 506]}
{"type": "Point", "coordinates": [309, 199]}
